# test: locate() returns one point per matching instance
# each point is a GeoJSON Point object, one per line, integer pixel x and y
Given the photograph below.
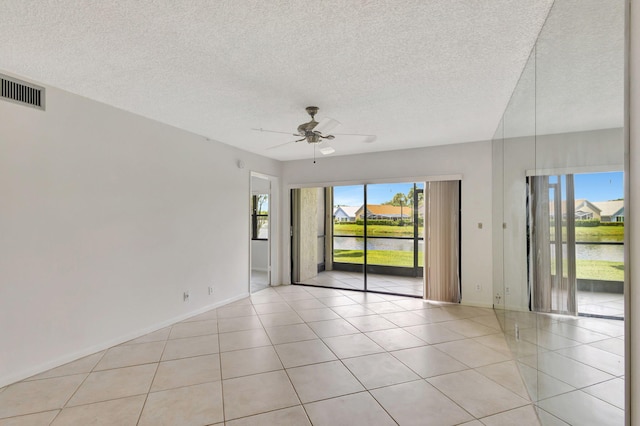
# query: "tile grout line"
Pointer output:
{"type": "Point", "coordinates": [283, 368]}
{"type": "Point", "coordinates": [224, 415]}
{"type": "Point", "coordinates": [79, 386]}
{"type": "Point", "coordinates": [146, 397]}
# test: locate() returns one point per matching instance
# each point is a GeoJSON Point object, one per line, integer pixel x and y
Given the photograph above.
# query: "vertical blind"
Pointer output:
{"type": "Point", "coordinates": [443, 246]}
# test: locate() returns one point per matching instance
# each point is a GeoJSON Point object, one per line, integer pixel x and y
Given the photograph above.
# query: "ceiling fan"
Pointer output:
{"type": "Point", "coordinates": [316, 133]}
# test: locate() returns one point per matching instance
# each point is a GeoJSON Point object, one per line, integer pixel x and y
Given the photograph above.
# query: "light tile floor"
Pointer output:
{"type": "Point", "coordinates": [295, 355]}
{"type": "Point", "coordinates": [606, 304]}
{"type": "Point", "coordinates": [572, 367]}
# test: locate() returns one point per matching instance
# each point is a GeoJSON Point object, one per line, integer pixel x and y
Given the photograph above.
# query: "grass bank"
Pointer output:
{"type": "Point", "coordinates": [600, 270]}
{"type": "Point", "coordinates": [596, 234]}
{"type": "Point", "coordinates": [375, 230]}
{"type": "Point", "coordinates": [378, 257]}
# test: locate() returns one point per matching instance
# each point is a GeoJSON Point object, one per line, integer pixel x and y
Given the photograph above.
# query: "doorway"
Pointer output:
{"type": "Point", "coordinates": [260, 214]}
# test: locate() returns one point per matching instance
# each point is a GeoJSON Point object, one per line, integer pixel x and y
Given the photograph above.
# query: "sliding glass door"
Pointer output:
{"type": "Point", "coordinates": [322, 255]}
{"type": "Point", "coordinates": [576, 233]}
{"type": "Point", "coordinates": [372, 238]}
{"type": "Point", "coordinates": [394, 231]}
{"type": "Point", "coordinates": [346, 236]}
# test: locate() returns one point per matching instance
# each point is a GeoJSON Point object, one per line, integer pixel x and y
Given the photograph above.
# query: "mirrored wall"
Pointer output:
{"type": "Point", "coordinates": [261, 240]}
{"type": "Point", "coordinates": [559, 267]}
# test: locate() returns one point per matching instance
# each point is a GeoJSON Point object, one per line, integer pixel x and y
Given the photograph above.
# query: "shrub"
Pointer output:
{"type": "Point", "coordinates": [388, 222]}
{"type": "Point", "coordinates": [611, 223]}
{"type": "Point", "coordinates": [589, 223]}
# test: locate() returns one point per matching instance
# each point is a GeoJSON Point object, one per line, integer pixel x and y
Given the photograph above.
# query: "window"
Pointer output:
{"type": "Point", "coordinates": [260, 217]}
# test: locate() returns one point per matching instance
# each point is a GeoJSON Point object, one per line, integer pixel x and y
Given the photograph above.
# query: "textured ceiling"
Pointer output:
{"type": "Point", "coordinates": [413, 72]}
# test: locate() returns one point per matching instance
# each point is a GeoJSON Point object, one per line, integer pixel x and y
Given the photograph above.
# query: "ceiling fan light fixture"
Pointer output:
{"type": "Point", "coordinates": [327, 150]}
{"type": "Point", "coordinates": [313, 137]}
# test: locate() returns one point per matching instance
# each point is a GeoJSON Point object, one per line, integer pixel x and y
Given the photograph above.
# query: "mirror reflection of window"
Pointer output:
{"type": "Point", "coordinates": [260, 217]}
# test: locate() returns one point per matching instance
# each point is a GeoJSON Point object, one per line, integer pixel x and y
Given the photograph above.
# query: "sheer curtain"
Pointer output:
{"type": "Point", "coordinates": [552, 244]}
{"type": "Point", "coordinates": [442, 249]}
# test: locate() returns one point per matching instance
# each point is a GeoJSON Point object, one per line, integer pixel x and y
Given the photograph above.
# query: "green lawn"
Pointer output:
{"type": "Point", "coordinates": [600, 270]}
{"type": "Point", "coordinates": [596, 234]}
{"type": "Point", "coordinates": [375, 230]}
{"type": "Point", "coordinates": [596, 269]}
{"type": "Point", "coordinates": [378, 257]}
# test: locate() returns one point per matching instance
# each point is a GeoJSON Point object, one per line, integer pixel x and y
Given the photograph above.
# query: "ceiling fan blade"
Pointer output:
{"type": "Point", "coordinates": [367, 138]}
{"type": "Point", "coordinates": [326, 125]}
{"type": "Point", "coordinates": [283, 144]}
{"type": "Point", "coordinates": [279, 145]}
{"type": "Point", "coordinates": [275, 131]}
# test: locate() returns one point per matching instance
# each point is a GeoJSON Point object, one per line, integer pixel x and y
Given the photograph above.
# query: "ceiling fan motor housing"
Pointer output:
{"type": "Point", "coordinates": [306, 129]}
{"type": "Point", "coordinates": [312, 111]}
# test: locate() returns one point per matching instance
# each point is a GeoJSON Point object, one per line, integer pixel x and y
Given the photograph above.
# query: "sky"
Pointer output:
{"type": "Point", "coordinates": [376, 193]}
{"type": "Point", "coordinates": [592, 186]}
{"type": "Point", "coordinates": [599, 186]}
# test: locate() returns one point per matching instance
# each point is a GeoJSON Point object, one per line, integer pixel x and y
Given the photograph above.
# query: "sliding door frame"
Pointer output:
{"type": "Point", "coordinates": [423, 179]}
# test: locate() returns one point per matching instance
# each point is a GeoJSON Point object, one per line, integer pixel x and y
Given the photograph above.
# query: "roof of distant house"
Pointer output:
{"type": "Point", "coordinates": [605, 208]}
{"type": "Point", "coordinates": [349, 210]}
{"type": "Point", "coordinates": [579, 203]}
{"type": "Point", "coordinates": [388, 210]}
{"type": "Point", "coordinates": [609, 208]}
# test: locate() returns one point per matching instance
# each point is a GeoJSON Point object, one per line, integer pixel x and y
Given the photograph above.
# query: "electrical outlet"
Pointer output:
{"type": "Point", "coordinates": [478, 287]}
{"type": "Point", "coordinates": [185, 296]}
{"type": "Point", "coordinates": [210, 290]}
{"type": "Point", "coordinates": [507, 291]}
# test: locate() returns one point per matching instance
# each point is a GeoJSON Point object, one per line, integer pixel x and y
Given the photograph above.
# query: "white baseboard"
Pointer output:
{"type": "Point", "coordinates": [65, 359]}
{"type": "Point", "coordinates": [477, 305]}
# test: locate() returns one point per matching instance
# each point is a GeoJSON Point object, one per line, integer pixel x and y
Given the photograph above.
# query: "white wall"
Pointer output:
{"type": "Point", "coordinates": [580, 152]}
{"type": "Point", "coordinates": [106, 218]}
{"type": "Point", "coordinates": [472, 161]}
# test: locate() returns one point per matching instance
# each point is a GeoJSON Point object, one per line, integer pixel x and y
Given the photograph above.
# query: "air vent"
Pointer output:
{"type": "Point", "coordinates": [21, 92]}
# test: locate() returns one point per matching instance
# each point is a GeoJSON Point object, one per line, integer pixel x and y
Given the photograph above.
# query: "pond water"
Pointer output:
{"type": "Point", "coordinates": [356, 243]}
{"type": "Point", "coordinates": [613, 253]}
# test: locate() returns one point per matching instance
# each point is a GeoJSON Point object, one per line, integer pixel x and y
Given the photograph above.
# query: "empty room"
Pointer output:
{"type": "Point", "coordinates": [319, 213]}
